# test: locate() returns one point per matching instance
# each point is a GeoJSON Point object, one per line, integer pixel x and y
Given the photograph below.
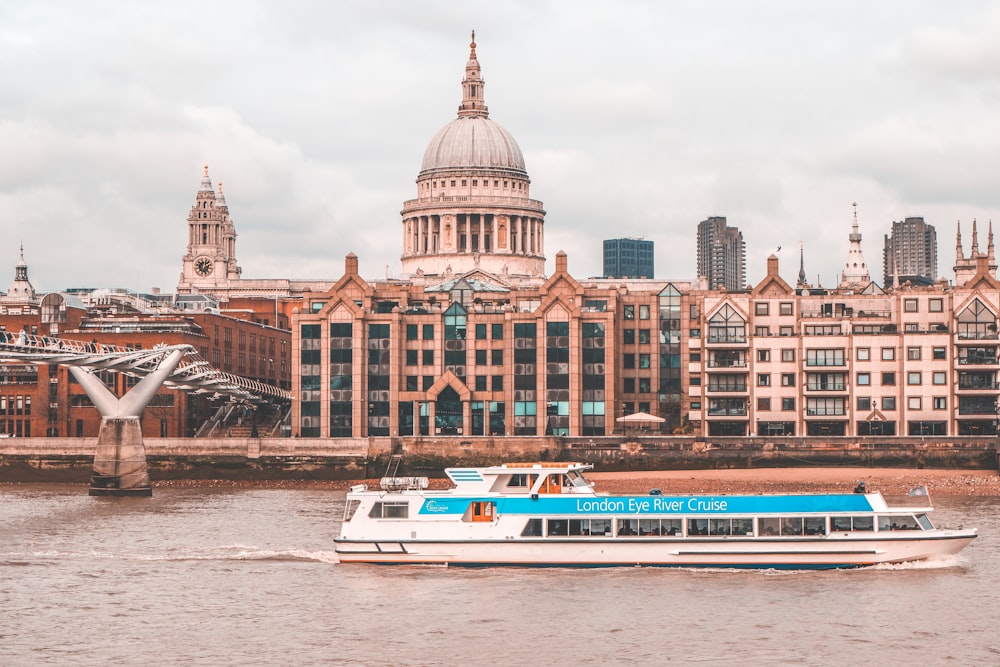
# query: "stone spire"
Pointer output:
{"type": "Point", "coordinates": [990, 250]}
{"type": "Point", "coordinates": [802, 268]}
{"type": "Point", "coordinates": [959, 253]}
{"type": "Point", "coordinates": [21, 289]}
{"type": "Point", "coordinates": [975, 239]}
{"type": "Point", "coordinates": [855, 274]}
{"type": "Point", "coordinates": [473, 103]}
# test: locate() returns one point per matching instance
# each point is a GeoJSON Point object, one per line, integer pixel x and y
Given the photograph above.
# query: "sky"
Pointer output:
{"type": "Point", "coordinates": [635, 119]}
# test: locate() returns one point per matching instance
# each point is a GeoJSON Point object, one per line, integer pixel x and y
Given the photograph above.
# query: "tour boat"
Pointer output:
{"type": "Point", "coordinates": [548, 514]}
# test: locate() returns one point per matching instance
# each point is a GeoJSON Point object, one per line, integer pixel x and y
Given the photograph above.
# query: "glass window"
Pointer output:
{"type": "Point", "coordinates": [763, 380]}
{"type": "Point", "coordinates": [909, 305]}
{"type": "Point", "coordinates": [935, 305]}
{"type": "Point", "coordinates": [763, 355]}
{"type": "Point", "coordinates": [785, 308]}
{"type": "Point", "coordinates": [497, 331]}
{"type": "Point", "coordinates": [888, 379]}
{"type": "Point", "coordinates": [411, 332]}
{"type": "Point", "coordinates": [480, 332]}
{"type": "Point", "coordinates": [761, 308]}
{"type": "Point", "coordinates": [644, 361]}
{"type": "Point", "coordinates": [913, 377]}
{"type": "Point", "coordinates": [764, 404]}
{"type": "Point", "coordinates": [913, 402]}
{"type": "Point", "coordinates": [428, 332]}
{"type": "Point", "coordinates": [889, 403]}
{"type": "Point", "coordinates": [888, 353]}
{"type": "Point", "coordinates": [939, 377]}
{"type": "Point", "coordinates": [864, 379]}
{"type": "Point", "coordinates": [628, 336]}
{"type": "Point", "coordinates": [788, 355]}
{"type": "Point", "coordinates": [939, 353]}
{"type": "Point", "coordinates": [913, 353]}
{"type": "Point", "coordinates": [644, 336]}
{"type": "Point", "coordinates": [480, 357]}
{"type": "Point", "coordinates": [643, 312]}
{"type": "Point", "coordinates": [629, 312]}
{"type": "Point", "coordinates": [864, 353]}
{"type": "Point", "coordinates": [940, 403]}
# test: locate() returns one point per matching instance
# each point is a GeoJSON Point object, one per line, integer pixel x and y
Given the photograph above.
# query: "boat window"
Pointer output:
{"type": "Point", "coordinates": [519, 480]}
{"type": "Point", "coordinates": [590, 527]}
{"type": "Point", "coordinates": [898, 522]}
{"type": "Point", "coordinates": [628, 526]}
{"type": "Point", "coordinates": [393, 510]}
{"type": "Point", "coordinates": [557, 527]}
{"type": "Point", "coordinates": [720, 527]}
{"type": "Point", "coordinates": [769, 526]}
{"type": "Point", "coordinates": [649, 526]}
{"type": "Point", "coordinates": [743, 526]}
{"type": "Point", "coordinates": [577, 480]}
{"type": "Point", "coordinates": [671, 527]}
{"type": "Point", "coordinates": [840, 523]}
{"type": "Point", "coordinates": [791, 525]}
{"type": "Point", "coordinates": [697, 526]}
{"type": "Point", "coordinates": [925, 522]}
{"type": "Point", "coordinates": [532, 529]}
{"type": "Point", "coordinates": [350, 508]}
{"type": "Point", "coordinates": [863, 522]}
{"type": "Point", "coordinates": [815, 525]}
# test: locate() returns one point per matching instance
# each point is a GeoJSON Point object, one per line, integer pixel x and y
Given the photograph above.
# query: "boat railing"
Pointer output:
{"type": "Point", "coordinates": [403, 483]}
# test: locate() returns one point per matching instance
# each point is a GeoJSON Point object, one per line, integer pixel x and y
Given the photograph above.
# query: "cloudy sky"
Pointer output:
{"type": "Point", "coordinates": [635, 119]}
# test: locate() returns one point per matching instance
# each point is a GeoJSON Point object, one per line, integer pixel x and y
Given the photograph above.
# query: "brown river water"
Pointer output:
{"type": "Point", "coordinates": [208, 576]}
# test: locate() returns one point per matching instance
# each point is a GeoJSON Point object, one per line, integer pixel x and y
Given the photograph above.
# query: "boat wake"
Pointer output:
{"type": "Point", "coordinates": [938, 563]}
{"type": "Point", "coordinates": [235, 552]}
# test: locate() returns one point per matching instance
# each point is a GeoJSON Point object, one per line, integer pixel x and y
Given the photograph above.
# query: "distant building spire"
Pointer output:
{"type": "Point", "coordinates": [802, 267]}
{"type": "Point", "coordinates": [21, 289]}
{"type": "Point", "coordinates": [855, 274]}
{"type": "Point", "coordinates": [473, 99]}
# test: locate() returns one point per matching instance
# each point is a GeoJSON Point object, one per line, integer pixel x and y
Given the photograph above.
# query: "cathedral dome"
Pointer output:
{"type": "Point", "coordinates": [470, 142]}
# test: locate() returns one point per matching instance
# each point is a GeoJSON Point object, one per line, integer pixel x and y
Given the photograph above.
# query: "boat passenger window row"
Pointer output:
{"type": "Point", "coordinates": [848, 523]}
{"type": "Point", "coordinates": [785, 526]}
{"type": "Point", "coordinates": [792, 525]}
{"type": "Point", "coordinates": [390, 510]}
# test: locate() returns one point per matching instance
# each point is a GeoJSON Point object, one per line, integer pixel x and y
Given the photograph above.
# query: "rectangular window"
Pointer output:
{"type": "Point", "coordinates": [497, 381]}
{"type": "Point", "coordinates": [428, 332]}
{"type": "Point", "coordinates": [763, 355]}
{"type": "Point", "coordinates": [761, 331]}
{"type": "Point", "coordinates": [788, 379]}
{"type": "Point", "coordinates": [864, 379]}
{"type": "Point", "coordinates": [411, 332]}
{"type": "Point", "coordinates": [763, 380]}
{"type": "Point", "coordinates": [411, 357]}
{"type": "Point", "coordinates": [497, 331]}
{"type": "Point", "coordinates": [764, 404]}
{"type": "Point", "coordinates": [788, 404]}
{"type": "Point", "coordinates": [889, 403]}
{"type": "Point", "coordinates": [761, 308]}
{"type": "Point", "coordinates": [628, 336]}
{"type": "Point", "coordinates": [940, 403]}
{"type": "Point", "coordinates": [888, 353]}
{"type": "Point", "coordinates": [786, 331]}
{"type": "Point", "coordinates": [888, 379]}
{"type": "Point", "coordinates": [411, 383]}
{"type": "Point", "coordinates": [785, 308]}
{"type": "Point", "coordinates": [480, 357]}
{"type": "Point", "coordinates": [480, 332]}
{"type": "Point", "coordinates": [909, 305]}
{"type": "Point", "coordinates": [820, 357]}
{"type": "Point", "coordinates": [788, 355]}
{"type": "Point", "coordinates": [939, 353]}
{"type": "Point", "coordinates": [864, 403]}
{"type": "Point", "coordinates": [935, 305]}
{"type": "Point", "coordinates": [644, 336]}
{"type": "Point", "coordinates": [643, 312]}
{"type": "Point", "coordinates": [913, 378]}
{"type": "Point", "coordinates": [695, 357]}
{"type": "Point", "coordinates": [428, 357]}
{"type": "Point", "coordinates": [913, 353]}
{"type": "Point", "coordinates": [644, 385]}
{"type": "Point", "coordinates": [480, 383]}
{"type": "Point", "coordinates": [939, 377]}
{"type": "Point", "coordinates": [629, 312]}
{"type": "Point", "coordinates": [913, 402]}
{"type": "Point", "coordinates": [628, 385]}
{"type": "Point", "coordinates": [644, 361]}
{"type": "Point", "coordinates": [497, 357]}
{"type": "Point", "coordinates": [628, 361]}
{"type": "Point", "coordinates": [864, 353]}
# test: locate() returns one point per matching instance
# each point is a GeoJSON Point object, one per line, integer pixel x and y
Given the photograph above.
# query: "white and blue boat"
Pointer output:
{"type": "Point", "coordinates": [548, 514]}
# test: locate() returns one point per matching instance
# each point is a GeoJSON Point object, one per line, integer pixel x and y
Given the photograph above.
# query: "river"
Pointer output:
{"type": "Point", "coordinates": [207, 576]}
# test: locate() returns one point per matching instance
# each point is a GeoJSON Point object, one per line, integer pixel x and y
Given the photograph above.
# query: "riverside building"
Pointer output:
{"type": "Point", "coordinates": [476, 341]}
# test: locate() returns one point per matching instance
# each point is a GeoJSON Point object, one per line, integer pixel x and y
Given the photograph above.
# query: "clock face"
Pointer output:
{"type": "Point", "coordinates": [203, 266]}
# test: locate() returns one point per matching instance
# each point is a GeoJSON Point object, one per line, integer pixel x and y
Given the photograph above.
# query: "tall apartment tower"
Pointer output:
{"type": "Point", "coordinates": [722, 254]}
{"type": "Point", "coordinates": [910, 253]}
{"type": "Point", "coordinates": [628, 258]}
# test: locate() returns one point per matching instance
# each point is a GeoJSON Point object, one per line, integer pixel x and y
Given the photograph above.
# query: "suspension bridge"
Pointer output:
{"type": "Point", "coordinates": [120, 460]}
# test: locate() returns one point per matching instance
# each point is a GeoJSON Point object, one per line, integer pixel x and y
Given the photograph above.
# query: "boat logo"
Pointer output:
{"type": "Point", "coordinates": [435, 507]}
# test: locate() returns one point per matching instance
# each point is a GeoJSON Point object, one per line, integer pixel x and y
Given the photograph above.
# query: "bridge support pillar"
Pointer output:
{"type": "Point", "coordinates": [120, 460]}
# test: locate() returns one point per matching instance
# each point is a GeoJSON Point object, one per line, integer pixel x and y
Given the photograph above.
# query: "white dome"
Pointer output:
{"type": "Point", "coordinates": [472, 142]}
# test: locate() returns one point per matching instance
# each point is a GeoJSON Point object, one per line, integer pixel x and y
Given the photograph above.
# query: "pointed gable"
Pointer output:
{"type": "Point", "coordinates": [772, 284]}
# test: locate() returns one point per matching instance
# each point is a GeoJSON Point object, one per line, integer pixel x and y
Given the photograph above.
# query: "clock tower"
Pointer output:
{"type": "Point", "coordinates": [210, 261]}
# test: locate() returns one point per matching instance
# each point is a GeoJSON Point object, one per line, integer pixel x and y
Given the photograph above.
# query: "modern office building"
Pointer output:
{"type": "Point", "coordinates": [910, 253]}
{"type": "Point", "coordinates": [722, 254]}
{"type": "Point", "coordinates": [628, 258]}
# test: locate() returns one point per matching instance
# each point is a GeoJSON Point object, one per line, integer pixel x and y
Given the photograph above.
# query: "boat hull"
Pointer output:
{"type": "Point", "coordinates": [819, 553]}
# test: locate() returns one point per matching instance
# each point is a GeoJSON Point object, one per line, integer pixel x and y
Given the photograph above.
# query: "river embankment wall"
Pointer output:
{"type": "Point", "coordinates": [71, 459]}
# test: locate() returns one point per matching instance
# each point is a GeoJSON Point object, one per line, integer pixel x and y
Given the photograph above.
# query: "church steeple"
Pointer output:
{"type": "Point", "coordinates": [210, 261]}
{"type": "Point", "coordinates": [855, 274]}
{"type": "Point", "coordinates": [802, 267]}
{"type": "Point", "coordinates": [21, 289]}
{"type": "Point", "coordinates": [473, 103]}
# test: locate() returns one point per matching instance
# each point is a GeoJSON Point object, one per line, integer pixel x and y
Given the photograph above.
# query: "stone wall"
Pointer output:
{"type": "Point", "coordinates": [71, 459]}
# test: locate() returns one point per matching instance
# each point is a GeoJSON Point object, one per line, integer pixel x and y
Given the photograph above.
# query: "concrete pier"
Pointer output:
{"type": "Point", "coordinates": [120, 460]}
